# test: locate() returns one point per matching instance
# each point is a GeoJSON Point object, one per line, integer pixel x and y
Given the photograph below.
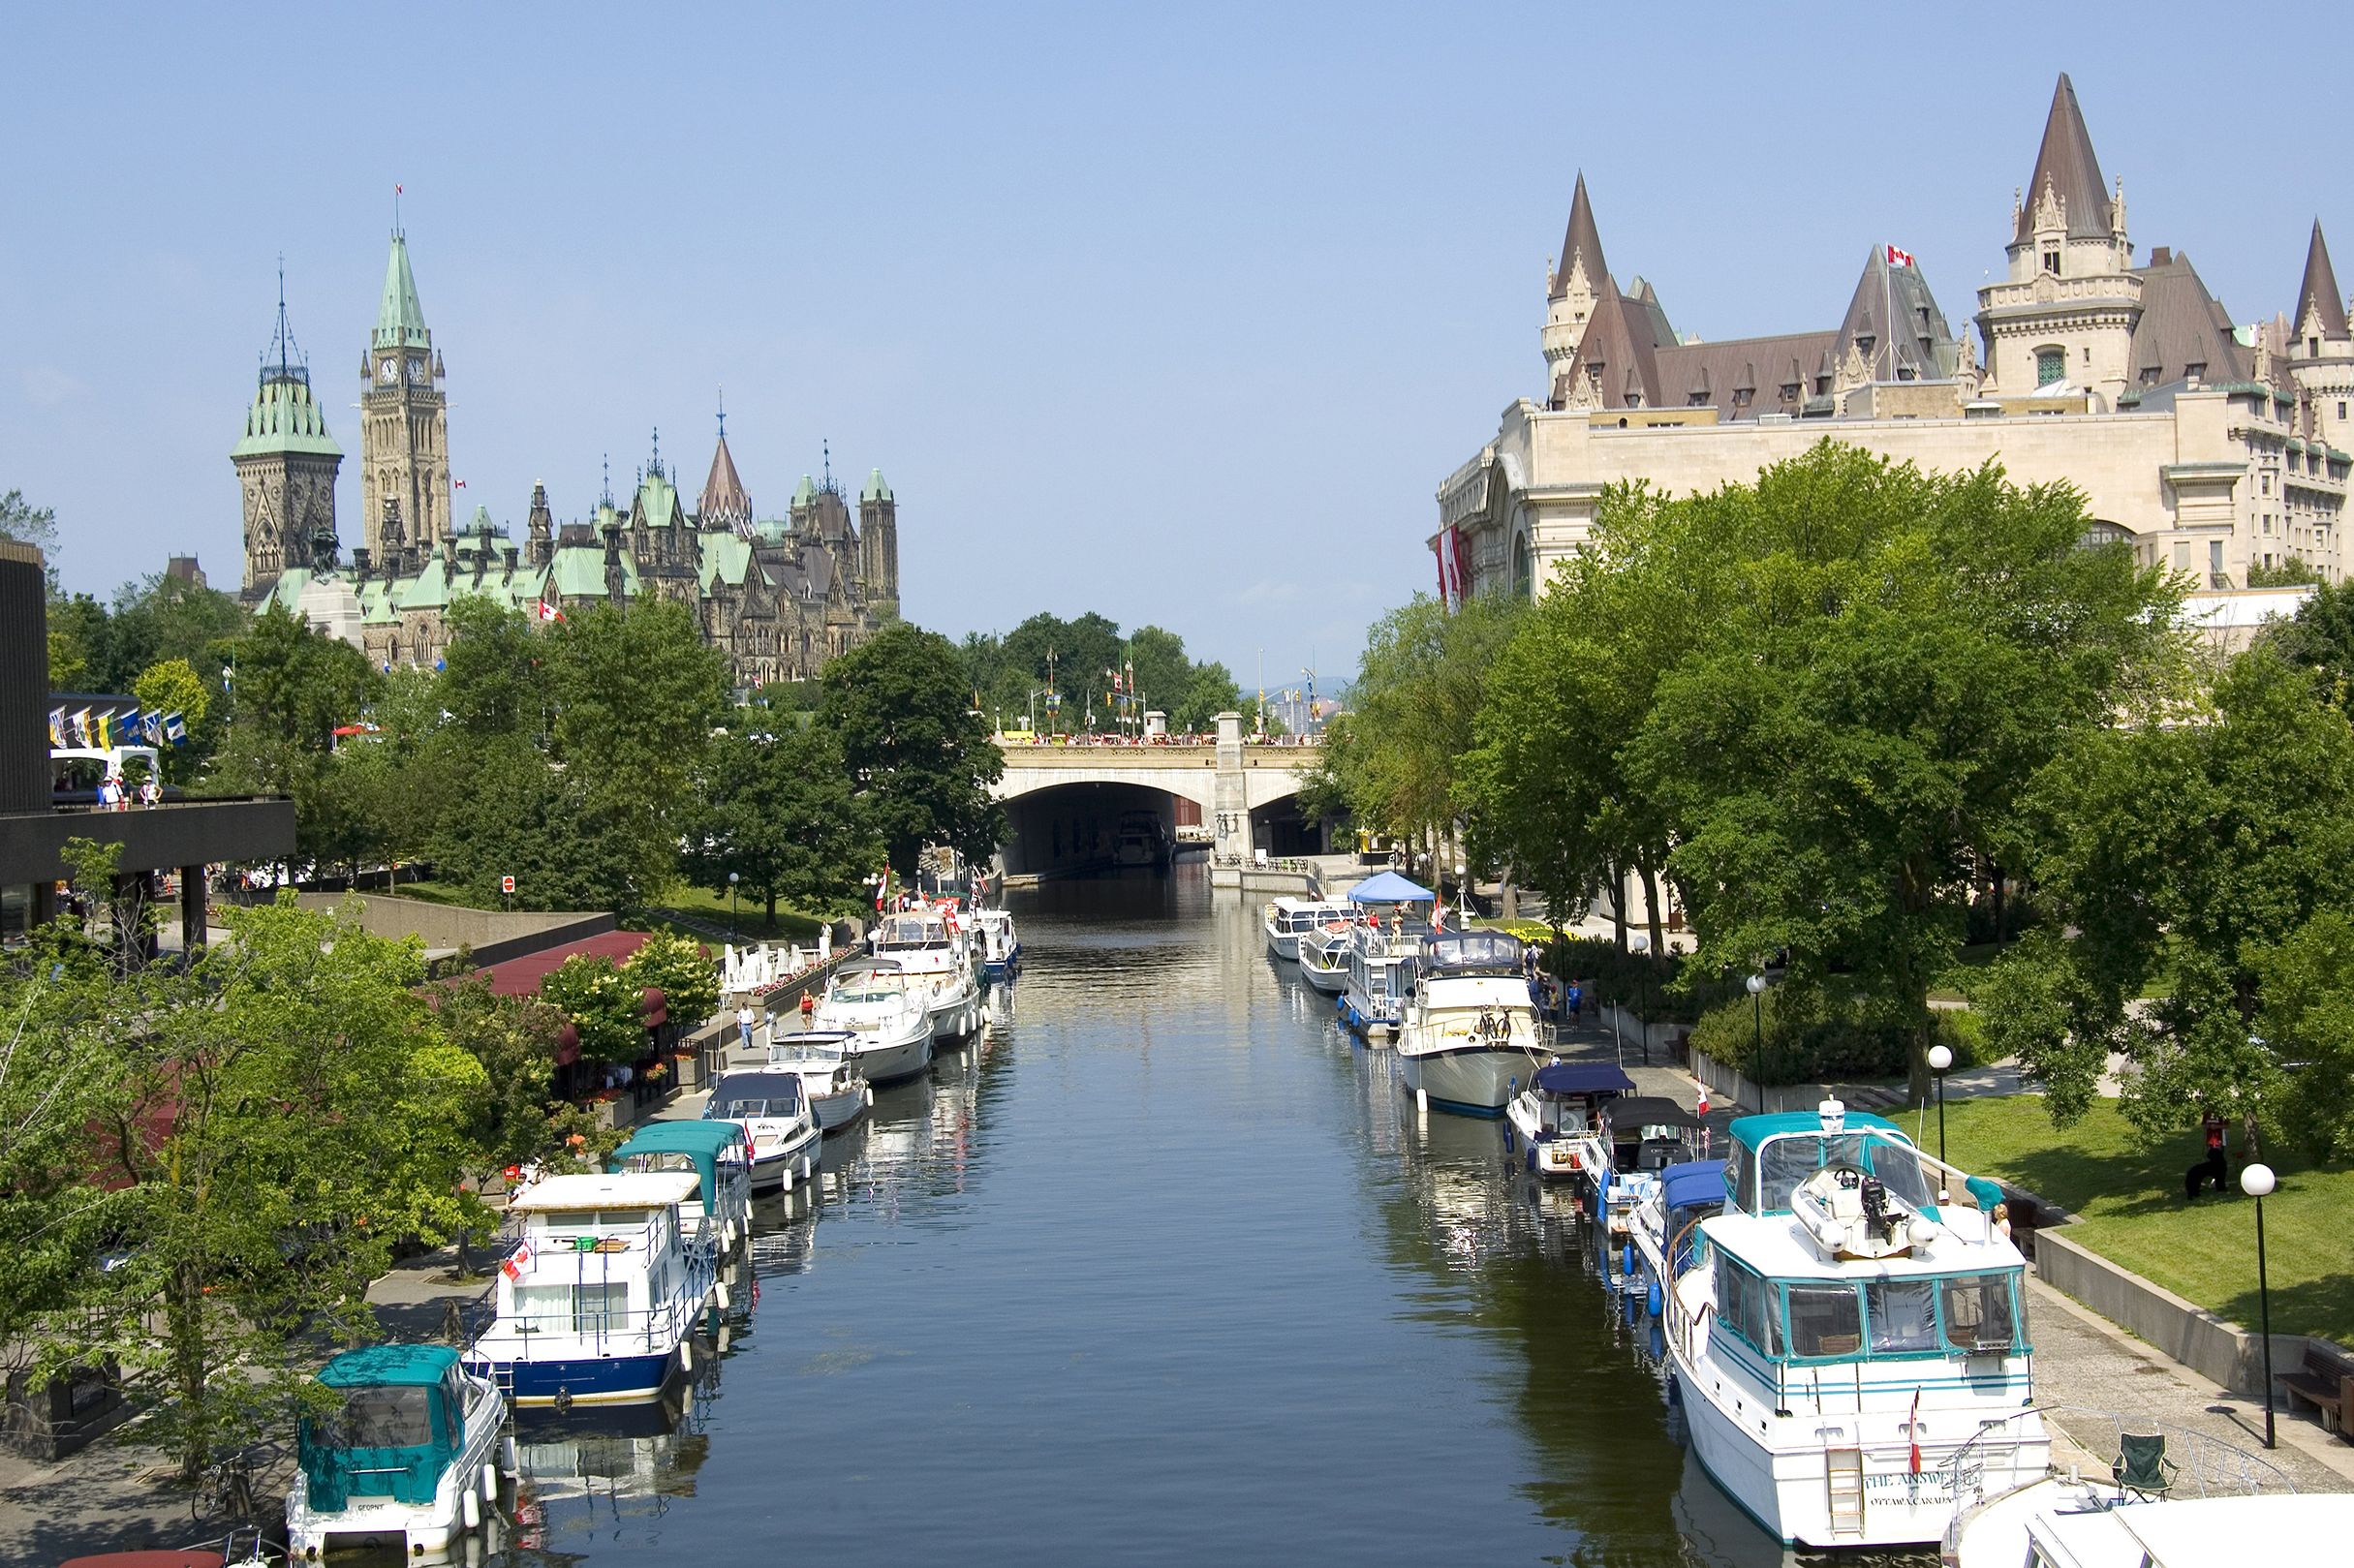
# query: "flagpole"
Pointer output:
{"type": "Point", "coordinates": [1888, 305]}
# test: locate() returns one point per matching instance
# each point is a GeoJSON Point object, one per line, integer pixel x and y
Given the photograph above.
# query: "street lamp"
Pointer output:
{"type": "Point", "coordinates": [1941, 1057]}
{"type": "Point", "coordinates": [1463, 891]}
{"type": "Point", "coordinates": [1756, 984]}
{"type": "Point", "coordinates": [732, 906]}
{"type": "Point", "coordinates": [2256, 1181]}
{"type": "Point", "coordinates": [1639, 944]}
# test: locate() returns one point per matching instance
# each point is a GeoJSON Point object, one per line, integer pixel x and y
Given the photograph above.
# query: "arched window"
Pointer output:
{"type": "Point", "coordinates": [1523, 570]}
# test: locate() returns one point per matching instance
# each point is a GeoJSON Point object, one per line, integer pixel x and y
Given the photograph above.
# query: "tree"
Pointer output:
{"type": "Point", "coordinates": [1209, 692]}
{"type": "Point", "coordinates": [172, 685]}
{"type": "Point", "coordinates": [778, 812]}
{"type": "Point", "coordinates": [919, 760]}
{"type": "Point", "coordinates": [24, 523]}
{"type": "Point", "coordinates": [2320, 638]}
{"type": "Point", "coordinates": [682, 970]}
{"type": "Point", "coordinates": [516, 1121]}
{"type": "Point", "coordinates": [1885, 659]}
{"type": "Point", "coordinates": [496, 680]}
{"type": "Point", "coordinates": [2291, 572]}
{"type": "Point", "coordinates": [509, 813]}
{"type": "Point", "coordinates": [161, 617]}
{"type": "Point", "coordinates": [591, 992]}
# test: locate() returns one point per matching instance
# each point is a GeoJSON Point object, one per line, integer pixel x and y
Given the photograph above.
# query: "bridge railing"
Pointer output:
{"type": "Point", "coordinates": [1170, 743]}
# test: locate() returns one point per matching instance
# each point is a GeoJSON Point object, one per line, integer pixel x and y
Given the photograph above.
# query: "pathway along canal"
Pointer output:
{"type": "Point", "coordinates": [1168, 1271]}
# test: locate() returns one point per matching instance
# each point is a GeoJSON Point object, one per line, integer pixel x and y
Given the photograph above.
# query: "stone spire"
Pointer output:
{"type": "Point", "coordinates": [724, 502]}
{"type": "Point", "coordinates": [2067, 173]}
{"type": "Point", "coordinates": [1580, 248]}
{"type": "Point", "coordinates": [2318, 300]}
{"type": "Point", "coordinates": [1576, 289]}
{"type": "Point", "coordinates": [400, 321]}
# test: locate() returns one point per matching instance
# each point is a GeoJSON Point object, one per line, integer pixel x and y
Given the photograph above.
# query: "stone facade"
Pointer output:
{"type": "Point", "coordinates": [779, 596]}
{"type": "Point", "coordinates": [2211, 447]}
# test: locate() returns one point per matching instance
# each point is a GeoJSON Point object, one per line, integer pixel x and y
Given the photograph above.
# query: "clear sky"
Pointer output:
{"type": "Point", "coordinates": [1178, 313]}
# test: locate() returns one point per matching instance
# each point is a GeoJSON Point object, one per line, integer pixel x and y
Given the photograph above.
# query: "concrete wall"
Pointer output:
{"type": "Point", "coordinates": [2221, 1352]}
{"type": "Point", "coordinates": [493, 935]}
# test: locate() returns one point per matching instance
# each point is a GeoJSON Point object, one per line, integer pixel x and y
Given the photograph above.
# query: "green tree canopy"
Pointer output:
{"type": "Point", "coordinates": [919, 760]}
{"type": "Point", "coordinates": [780, 813]}
{"type": "Point", "coordinates": [496, 680]}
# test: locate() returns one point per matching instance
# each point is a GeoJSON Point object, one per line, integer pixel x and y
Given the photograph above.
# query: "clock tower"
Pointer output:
{"type": "Point", "coordinates": [404, 425]}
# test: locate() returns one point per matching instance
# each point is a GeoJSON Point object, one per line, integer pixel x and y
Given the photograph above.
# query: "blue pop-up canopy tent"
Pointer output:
{"type": "Point", "coordinates": [1389, 888]}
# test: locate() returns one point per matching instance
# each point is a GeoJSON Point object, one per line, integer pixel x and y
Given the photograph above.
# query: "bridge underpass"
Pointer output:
{"type": "Point", "coordinates": [1068, 828]}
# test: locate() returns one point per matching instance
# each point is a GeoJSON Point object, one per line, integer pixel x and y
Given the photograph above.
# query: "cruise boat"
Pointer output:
{"type": "Point", "coordinates": [596, 1304]}
{"type": "Point", "coordinates": [1556, 1109]}
{"type": "Point", "coordinates": [826, 1062]}
{"type": "Point", "coordinates": [774, 1111]}
{"type": "Point", "coordinates": [1324, 956]}
{"type": "Point", "coordinates": [1288, 917]}
{"type": "Point", "coordinates": [719, 1156]}
{"type": "Point", "coordinates": [1001, 946]}
{"type": "Point", "coordinates": [1849, 1339]}
{"type": "Point", "coordinates": [1468, 1035]}
{"type": "Point", "coordinates": [1381, 971]}
{"type": "Point", "coordinates": [942, 969]}
{"type": "Point", "coordinates": [874, 1000]}
{"type": "Point", "coordinates": [408, 1460]}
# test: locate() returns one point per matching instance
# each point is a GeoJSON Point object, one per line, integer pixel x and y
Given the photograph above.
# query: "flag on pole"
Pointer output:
{"type": "Point", "coordinates": [57, 720]}
{"type": "Point", "coordinates": [175, 728]}
{"type": "Point", "coordinates": [457, 484]}
{"type": "Point", "coordinates": [1896, 257]}
{"type": "Point", "coordinates": [547, 611]}
{"type": "Point", "coordinates": [516, 1262]}
{"type": "Point", "coordinates": [1912, 1426]}
{"type": "Point", "coordinates": [102, 728]}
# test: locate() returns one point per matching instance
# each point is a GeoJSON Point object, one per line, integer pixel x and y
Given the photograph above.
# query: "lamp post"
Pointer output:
{"type": "Point", "coordinates": [1463, 891]}
{"type": "Point", "coordinates": [1639, 943]}
{"type": "Point", "coordinates": [1939, 1059]}
{"type": "Point", "coordinates": [732, 906]}
{"type": "Point", "coordinates": [2256, 1181]}
{"type": "Point", "coordinates": [1756, 984]}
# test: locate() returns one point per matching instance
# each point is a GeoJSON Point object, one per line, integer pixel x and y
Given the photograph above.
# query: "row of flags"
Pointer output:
{"type": "Point", "coordinates": [104, 728]}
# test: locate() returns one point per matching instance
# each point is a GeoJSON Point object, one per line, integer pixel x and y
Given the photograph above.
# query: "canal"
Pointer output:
{"type": "Point", "coordinates": [1167, 1272]}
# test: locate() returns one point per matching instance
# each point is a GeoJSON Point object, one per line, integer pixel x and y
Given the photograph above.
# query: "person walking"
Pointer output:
{"type": "Point", "coordinates": [743, 1024]}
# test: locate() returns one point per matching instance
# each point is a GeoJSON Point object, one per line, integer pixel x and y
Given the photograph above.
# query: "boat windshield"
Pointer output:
{"type": "Point", "coordinates": [866, 990]}
{"type": "Point", "coordinates": [395, 1416]}
{"type": "Point", "coordinates": [1819, 1320]}
{"type": "Point", "coordinates": [1764, 1181]}
{"type": "Point", "coordinates": [766, 1094]}
{"type": "Point", "coordinates": [911, 931]}
{"type": "Point", "coordinates": [1471, 952]}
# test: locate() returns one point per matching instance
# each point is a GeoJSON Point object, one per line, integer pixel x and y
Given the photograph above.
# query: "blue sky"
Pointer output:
{"type": "Point", "coordinates": [1181, 314]}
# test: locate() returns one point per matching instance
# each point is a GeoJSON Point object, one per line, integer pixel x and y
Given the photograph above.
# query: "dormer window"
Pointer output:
{"type": "Point", "coordinates": [1863, 344]}
{"type": "Point", "coordinates": [1789, 391]}
{"type": "Point", "coordinates": [2313, 348]}
{"type": "Point", "coordinates": [2196, 370]}
{"type": "Point", "coordinates": [2051, 262]}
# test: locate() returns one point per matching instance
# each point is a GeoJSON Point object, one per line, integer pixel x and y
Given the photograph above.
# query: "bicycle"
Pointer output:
{"type": "Point", "coordinates": [225, 1490]}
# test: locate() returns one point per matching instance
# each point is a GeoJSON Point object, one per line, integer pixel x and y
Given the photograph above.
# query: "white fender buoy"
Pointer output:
{"type": "Point", "coordinates": [474, 1509]}
{"type": "Point", "coordinates": [490, 1482]}
{"type": "Point", "coordinates": [1422, 1101]}
{"type": "Point", "coordinates": [719, 1290]}
{"type": "Point", "coordinates": [686, 1354]}
{"type": "Point", "coordinates": [512, 1469]}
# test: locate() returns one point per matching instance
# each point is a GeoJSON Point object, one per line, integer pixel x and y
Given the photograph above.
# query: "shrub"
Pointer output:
{"type": "Point", "coordinates": [602, 1006]}
{"type": "Point", "coordinates": [1814, 1037]}
{"type": "Point", "coordinates": [683, 972]}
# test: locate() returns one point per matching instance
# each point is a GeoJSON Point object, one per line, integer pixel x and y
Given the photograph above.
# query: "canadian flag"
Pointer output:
{"type": "Point", "coordinates": [1453, 556]}
{"type": "Point", "coordinates": [547, 611]}
{"type": "Point", "coordinates": [457, 484]}
{"type": "Point", "coordinates": [517, 1263]}
{"type": "Point", "coordinates": [1896, 257]}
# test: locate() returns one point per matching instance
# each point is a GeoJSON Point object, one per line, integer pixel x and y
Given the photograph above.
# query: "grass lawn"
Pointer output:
{"type": "Point", "coordinates": [750, 918]}
{"type": "Point", "coordinates": [2131, 1208]}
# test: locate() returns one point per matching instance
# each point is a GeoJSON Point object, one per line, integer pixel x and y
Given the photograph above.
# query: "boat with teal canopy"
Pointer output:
{"type": "Point", "coordinates": [719, 1156]}
{"type": "Point", "coordinates": [1774, 1153]}
{"type": "Point", "coordinates": [407, 1458]}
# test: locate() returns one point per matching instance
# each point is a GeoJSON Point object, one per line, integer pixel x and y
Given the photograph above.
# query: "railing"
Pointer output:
{"type": "Point", "coordinates": [602, 1331]}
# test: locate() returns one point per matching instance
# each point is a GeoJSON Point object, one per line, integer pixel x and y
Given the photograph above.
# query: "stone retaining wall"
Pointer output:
{"type": "Point", "coordinates": [2221, 1352]}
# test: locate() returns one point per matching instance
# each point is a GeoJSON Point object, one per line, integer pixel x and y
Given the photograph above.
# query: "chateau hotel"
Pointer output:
{"type": "Point", "coordinates": [779, 596]}
{"type": "Point", "coordinates": [2211, 447]}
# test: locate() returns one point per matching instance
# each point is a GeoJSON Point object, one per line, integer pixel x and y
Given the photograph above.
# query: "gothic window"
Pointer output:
{"type": "Point", "coordinates": [2051, 365]}
{"type": "Point", "coordinates": [1523, 573]}
{"type": "Point", "coordinates": [2051, 262]}
{"type": "Point", "coordinates": [2342, 408]}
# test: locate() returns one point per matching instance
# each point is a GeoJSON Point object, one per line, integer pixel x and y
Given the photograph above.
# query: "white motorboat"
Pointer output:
{"type": "Point", "coordinates": [1141, 841]}
{"type": "Point", "coordinates": [1849, 1340]}
{"type": "Point", "coordinates": [406, 1461]}
{"type": "Point", "coordinates": [721, 1156]}
{"type": "Point", "coordinates": [774, 1111]}
{"type": "Point", "coordinates": [1381, 958]}
{"type": "Point", "coordinates": [2231, 1507]}
{"type": "Point", "coordinates": [828, 1065]}
{"type": "Point", "coordinates": [1001, 946]}
{"type": "Point", "coordinates": [1665, 1225]}
{"type": "Point", "coordinates": [1556, 1110]}
{"type": "Point", "coordinates": [1633, 1140]}
{"type": "Point", "coordinates": [1469, 1036]}
{"type": "Point", "coordinates": [1323, 955]}
{"type": "Point", "coordinates": [598, 1303]}
{"type": "Point", "coordinates": [1287, 917]}
{"type": "Point", "coordinates": [874, 1002]}
{"type": "Point", "coordinates": [942, 968]}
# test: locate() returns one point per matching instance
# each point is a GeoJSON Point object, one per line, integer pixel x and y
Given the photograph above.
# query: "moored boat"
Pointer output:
{"type": "Point", "coordinates": [1287, 917]}
{"type": "Point", "coordinates": [941, 968]}
{"type": "Point", "coordinates": [718, 1153]}
{"type": "Point", "coordinates": [873, 1000]}
{"type": "Point", "coordinates": [1323, 955]}
{"type": "Point", "coordinates": [1556, 1108]}
{"type": "Point", "coordinates": [1664, 1227]}
{"type": "Point", "coordinates": [826, 1063]}
{"type": "Point", "coordinates": [2171, 1499]}
{"type": "Point", "coordinates": [1001, 945]}
{"type": "Point", "coordinates": [774, 1112]}
{"type": "Point", "coordinates": [405, 1462]}
{"type": "Point", "coordinates": [1468, 1033]}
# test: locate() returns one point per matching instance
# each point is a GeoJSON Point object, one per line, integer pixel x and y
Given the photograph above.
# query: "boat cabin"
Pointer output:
{"type": "Point", "coordinates": [1469, 953]}
{"type": "Point", "coordinates": [1289, 916]}
{"type": "Point", "coordinates": [1789, 1307]}
{"type": "Point", "coordinates": [913, 931]}
{"type": "Point", "coordinates": [1569, 1094]}
{"type": "Point", "coordinates": [717, 1154]}
{"type": "Point", "coordinates": [1773, 1154]}
{"type": "Point", "coordinates": [401, 1423]}
{"type": "Point", "coordinates": [1648, 1132]}
{"type": "Point", "coordinates": [1689, 1193]}
{"type": "Point", "coordinates": [806, 1049]}
{"type": "Point", "coordinates": [769, 1105]}
{"type": "Point", "coordinates": [866, 981]}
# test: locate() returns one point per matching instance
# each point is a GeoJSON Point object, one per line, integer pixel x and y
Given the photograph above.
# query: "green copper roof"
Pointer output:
{"type": "Point", "coordinates": [657, 502]}
{"type": "Point", "coordinates": [876, 489]}
{"type": "Point", "coordinates": [400, 321]}
{"type": "Point", "coordinates": [285, 418]}
{"type": "Point", "coordinates": [580, 571]}
{"type": "Point", "coordinates": [807, 493]}
{"type": "Point", "coordinates": [727, 558]}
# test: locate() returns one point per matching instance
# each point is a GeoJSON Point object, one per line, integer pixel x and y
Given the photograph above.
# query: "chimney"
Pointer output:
{"type": "Point", "coordinates": [509, 555]}
{"type": "Point", "coordinates": [2160, 255]}
{"type": "Point", "coordinates": [359, 564]}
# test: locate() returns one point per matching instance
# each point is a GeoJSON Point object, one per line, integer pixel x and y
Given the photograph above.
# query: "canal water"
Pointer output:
{"type": "Point", "coordinates": [1166, 1272]}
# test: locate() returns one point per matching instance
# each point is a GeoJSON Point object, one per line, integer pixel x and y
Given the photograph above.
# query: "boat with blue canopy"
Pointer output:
{"type": "Point", "coordinates": [1558, 1106]}
{"type": "Point", "coordinates": [718, 1153]}
{"type": "Point", "coordinates": [1849, 1335]}
{"type": "Point", "coordinates": [1664, 1227]}
{"type": "Point", "coordinates": [406, 1460]}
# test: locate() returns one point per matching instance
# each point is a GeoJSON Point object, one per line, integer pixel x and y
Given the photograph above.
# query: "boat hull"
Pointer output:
{"type": "Point", "coordinates": [841, 1110]}
{"type": "Point", "coordinates": [884, 1065]}
{"type": "Point", "coordinates": [773, 1166]}
{"type": "Point", "coordinates": [1361, 1018]}
{"type": "Point", "coordinates": [1284, 944]}
{"type": "Point", "coordinates": [588, 1380]}
{"type": "Point", "coordinates": [1466, 1083]}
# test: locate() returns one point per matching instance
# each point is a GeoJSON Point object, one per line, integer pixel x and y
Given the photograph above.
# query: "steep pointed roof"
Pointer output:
{"type": "Point", "coordinates": [723, 500]}
{"type": "Point", "coordinates": [2067, 163]}
{"type": "Point", "coordinates": [1913, 342]}
{"type": "Point", "coordinates": [400, 321]}
{"type": "Point", "coordinates": [2183, 328]}
{"type": "Point", "coordinates": [2320, 291]}
{"type": "Point", "coordinates": [1583, 242]}
{"type": "Point", "coordinates": [876, 489]}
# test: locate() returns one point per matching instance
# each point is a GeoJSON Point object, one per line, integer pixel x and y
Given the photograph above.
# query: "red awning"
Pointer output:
{"type": "Point", "coordinates": [522, 976]}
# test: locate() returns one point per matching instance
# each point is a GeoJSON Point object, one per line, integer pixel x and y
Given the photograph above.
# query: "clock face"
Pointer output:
{"type": "Point", "coordinates": [387, 371]}
{"type": "Point", "coordinates": [416, 372]}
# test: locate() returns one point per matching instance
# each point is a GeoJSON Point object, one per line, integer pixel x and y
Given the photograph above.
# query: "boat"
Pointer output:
{"type": "Point", "coordinates": [1141, 841]}
{"type": "Point", "coordinates": [1468, 1035]}
{"type": "Point", "coordinates": [1001, 946]}
{"type": "Point", "coordinates": [827, 1064]}
{"type": "Point", "coordinates": [942, 969]}
{"type": "Point", "coordinates": [598, 1302]}
{"type": "Point", "coordinates": [1635, 1137]}
{"type": "Point", "coordinates": [1381, 971]}
{"type": "Point", "coordinates": [1556, 1109]}
{"type": "Point", "coordinates": [774, 1111]}
{"type": "Point", "coordinates": [719, 1153]}
{"type": "Point", "coordinates": [1664, 1227]}
{"type": "Point", "coordinates": [406, 1461]}
{"type": "Point", "coordinates": [1287, 916]}
{"type": "Point", "coordinates": [1849, 1339]}
{"type": "Point", "coordinates": [1323, 955]}
{"type": "Point", "coordinates": [872, 999]}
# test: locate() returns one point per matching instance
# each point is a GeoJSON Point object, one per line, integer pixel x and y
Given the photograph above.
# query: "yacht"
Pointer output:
{"type": "Point", "coordinates": [597, 1303]}
{"type": "Point", "coordinates": [774, 1111]}
{"type": "Point", "coordinates": [1849, 1338]}
{"type": "Point", "coordinates": [1001, 946]}
{"type": "Point", "coordinates": [1288, 917]}
{"type": "Point", "coordinates": [1381, 971]}
{"type": "Point", "coordinates": [407, 1458]}
{"type": "Point", "coordinates": [942, 969]}
{"type": "Point", "coordinates": [2084, 1521]}
{"type": "Point", "coordinates": [1469, 1035]}
{"type": "Point", "coordinates": [826, 1062]}
{"type": "Point", "coordinates": [1324, 956]}
{"type": "Point", "coordinates": [1556, 1109]}
{"type": "Point", "coordinates": [1664, 1227]}
{"type": "Point", "coordinates": [874, 1000]}
{"type": "Point", "coordinates": [721, 1156]}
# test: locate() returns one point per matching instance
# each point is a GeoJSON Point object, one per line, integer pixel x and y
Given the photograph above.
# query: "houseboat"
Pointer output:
{"type": "Point", "coordinates": [1468, 1035]}
{"type": "Point", "coordinates": [719, 1154]}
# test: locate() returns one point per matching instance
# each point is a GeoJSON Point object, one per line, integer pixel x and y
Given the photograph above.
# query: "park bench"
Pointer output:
{"type": "Point", "coordinates": [2326, 1382]}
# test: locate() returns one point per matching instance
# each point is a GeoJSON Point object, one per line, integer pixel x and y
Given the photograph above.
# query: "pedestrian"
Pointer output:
{"type": "Point", "coordinates": [2215, 1168]}
{"type": "Point", "coordinates": [809, 1008]}
{"type": "Point", "coordinates": [743, 1022]}
{"type": "Point", "coordinates": [2003, 1221]}
{"type": "Point", "coordinates": [1700, 1110]}
{"type": "Point", "coordinates": [1573, 1000]}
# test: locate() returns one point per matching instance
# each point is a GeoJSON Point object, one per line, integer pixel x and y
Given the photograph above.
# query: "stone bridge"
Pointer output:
{"type": "Point", "coordinates": [1066, 803]}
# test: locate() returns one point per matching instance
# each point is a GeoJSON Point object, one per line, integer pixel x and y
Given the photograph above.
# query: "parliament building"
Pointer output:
{"type": "Point", "coordinates": [780, 595]}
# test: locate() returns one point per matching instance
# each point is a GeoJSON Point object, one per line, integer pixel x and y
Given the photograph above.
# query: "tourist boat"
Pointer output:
{"type": "Point", "coordinates": [872, 999]}
{"type": "Point", "coordinates": [407, 1461]}
{"type": "Point", "coordinates": [1664, 1226]}
{"type": "Point", "coordinates": [596, 1304]}
{"type": "Point", "coordinates": [2075, 1521]}
{"type": "Point", "coordinates": [1556, 1109]}
{"type": "Point", "coordinates": [1324, 956]}
{"type": "Point", "coordinates": [1288, 917]}
{"type": "Point", "coordinates": [720, 1155]}
{"type": "Point", "coordinates": [1141, 841]}
{"type": "Point", "coordinates": [774, 1111]}
{"type": "Point", "coordinates": [1468, 1035]}
{"type": "Point", "coordinates": [942, 969]}
{"type": "Point", "coordinates": [1381, 971]}
{"type": "Point", "coordinates": [827, 1064]}
{"type": "Point", "coordinates": [1849, 1340]}
{"type": "Point", "coordinates": [1001, 946]}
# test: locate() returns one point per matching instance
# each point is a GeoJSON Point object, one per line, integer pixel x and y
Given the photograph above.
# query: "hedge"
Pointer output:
{"type": "Point", "coordinates": [1812, 1038]}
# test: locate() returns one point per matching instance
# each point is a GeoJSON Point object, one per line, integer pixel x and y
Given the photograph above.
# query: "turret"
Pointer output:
{"type": "Point", "coordinates": [286, 463]}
